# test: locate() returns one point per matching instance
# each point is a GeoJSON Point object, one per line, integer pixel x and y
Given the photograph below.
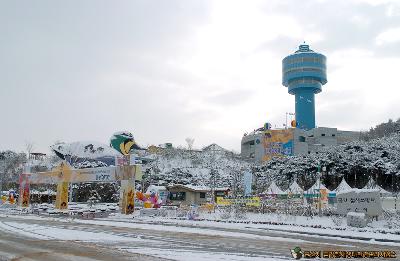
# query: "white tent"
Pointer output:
{"type": "Point", "coordinates": [273, 189]}
{"type": "Point", "coordinates": [372, 185]}
{"type": "Point", "coordinates": [295, 189]}
{"type": "Point", "coordinates": [383, 192]}
{"type": "Point", "coordinates": [318, 185]}
{"type": "Point", "coordinates": [342, 186]}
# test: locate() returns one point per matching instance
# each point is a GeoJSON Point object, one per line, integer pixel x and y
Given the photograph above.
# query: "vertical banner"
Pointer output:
{"type": "Point", "coordinates": [324, 197]}
{"type": "Point", "coordinates": [24, 191]}
{"type": "Point", "coordinates": [127, 196]}
{"type": "Point", "coordinates": [324, 194]}
{"type": "Point", "coordinates": [248, 180]}
{"type": "Point", "coordinates": [62, 195]}
{"type": "Point", "coordinates": [127, 190]}
{"type": "Point", "coordinates": [138, 172]}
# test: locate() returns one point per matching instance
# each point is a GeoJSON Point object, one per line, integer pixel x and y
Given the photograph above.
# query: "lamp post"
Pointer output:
{"type": "Point", "coordinates": [319, 193]}
{"type": "Point", "coordinates": [319, 189]}
{"type": "Point", "coordinates": [1, 179]}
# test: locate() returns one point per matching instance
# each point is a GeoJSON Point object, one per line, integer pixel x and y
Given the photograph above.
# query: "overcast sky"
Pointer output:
{"type": "Point", "coordinates": [167, 70]}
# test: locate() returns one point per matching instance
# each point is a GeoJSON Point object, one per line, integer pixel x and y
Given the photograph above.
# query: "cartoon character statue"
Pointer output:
{"type": "Point", "coordinates": [123, 142]}
{"type": "Point", "coordinates": [11, 198]}
{"type": "Point", "coordinates": [149, 200]}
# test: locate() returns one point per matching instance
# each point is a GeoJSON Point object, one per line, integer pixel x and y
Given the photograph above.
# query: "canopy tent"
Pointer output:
{"type": "Point", "coordinates": [342, 186]}
{"type": "Point", "coordinates": [294, 189]}
{"type": "Point", "coordinates": [317, 186]}
{"type": "Point", "coordinates": [372, 185]}
{"type": "Point", "coordinates": [315, 191]}
{"type": "Point", "coordinates": [383, 192]}
{"type": "Point", "coordinates": [273, 189]}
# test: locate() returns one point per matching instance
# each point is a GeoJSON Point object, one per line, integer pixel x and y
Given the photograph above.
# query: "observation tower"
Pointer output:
{"type": "Point", "coordinates": [304, 73]}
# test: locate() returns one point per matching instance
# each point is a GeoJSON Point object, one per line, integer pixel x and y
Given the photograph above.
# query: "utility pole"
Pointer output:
{"type": "Point", "coordinates": [212, 172]}
{"type": "Point", "coordinates": [1, 179]}
{"type": "Point", "coordinates": [319, 195]}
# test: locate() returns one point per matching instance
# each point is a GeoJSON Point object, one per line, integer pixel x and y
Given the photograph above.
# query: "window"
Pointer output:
{"type": "Point", "coordinates": [302, 139]}
{"type": "Point", "coordinates": [303, 69]}
{"type": "Point", "coordinates": [177, 195]}
{"type": "Point", "coordinates": [333, 135]}
{"type": "Point", "coordinates": [303, 80]}
{"type": "Point", "coordinates": [202, 195]}
{"type": "Point", "coordinates": [323, 134]}
{"type": "Point", "coordinates": [308, 59]}
{"type": "Point", "coordinates": [319, 60]}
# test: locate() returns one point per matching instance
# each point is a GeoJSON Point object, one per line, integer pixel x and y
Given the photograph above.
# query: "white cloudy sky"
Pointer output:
{"type": "Point", "coordinates": [167, 70]}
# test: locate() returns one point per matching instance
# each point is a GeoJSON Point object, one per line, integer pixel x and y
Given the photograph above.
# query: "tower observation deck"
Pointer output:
{"type": "Point", "coordinates": [304, 73]}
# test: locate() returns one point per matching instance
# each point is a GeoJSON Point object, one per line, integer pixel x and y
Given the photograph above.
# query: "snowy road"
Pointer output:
{"type": "Point", "coordinates": [33, 238]}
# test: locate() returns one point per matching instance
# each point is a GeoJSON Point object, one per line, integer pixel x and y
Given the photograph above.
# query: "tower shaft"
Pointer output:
{"type": "Point", "coordinates": [305, 109]}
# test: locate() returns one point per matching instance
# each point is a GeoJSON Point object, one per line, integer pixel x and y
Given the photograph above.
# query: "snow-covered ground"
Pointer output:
{"type": "Point", "coordinates": [378, 231]}
{"type": "Point", "coordinates": [313, 227]}
{"type": "Point", "coordinates": [23, 225]}
{"type": "Point", "coordinates": [183, 239]}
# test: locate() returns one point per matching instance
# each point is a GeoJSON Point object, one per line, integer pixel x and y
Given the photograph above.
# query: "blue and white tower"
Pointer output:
{"type": "Point", "coordinates": [304, 73]}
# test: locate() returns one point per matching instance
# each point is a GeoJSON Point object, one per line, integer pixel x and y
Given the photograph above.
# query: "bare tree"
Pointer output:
{"type": "Point", "coordinates": [29, 146]}
{"type": "Point", "coordinates": [189, 142]}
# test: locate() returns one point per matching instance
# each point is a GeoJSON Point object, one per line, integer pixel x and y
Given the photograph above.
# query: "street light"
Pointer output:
{"type": "Point", "coordinates": [319, 174]}
{"type": "Point", "coordinates": [1, 178]}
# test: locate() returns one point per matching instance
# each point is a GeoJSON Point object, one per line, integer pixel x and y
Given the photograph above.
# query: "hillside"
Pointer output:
{"type": "Point", "coordinates": [357, 162]}
{"type": "Point", "coordinates": [195, 167]}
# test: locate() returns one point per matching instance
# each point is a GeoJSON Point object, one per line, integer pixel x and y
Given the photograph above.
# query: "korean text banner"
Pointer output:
{"type": "Point", "coordinates": [64, 173]}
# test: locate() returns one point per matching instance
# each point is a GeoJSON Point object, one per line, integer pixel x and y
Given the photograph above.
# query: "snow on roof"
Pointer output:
{"type": "Point", "coordinates": [295, 188]}
{"type": "Point", "coordinates": [198, 188]}
{"type": "Point", "coordinates": [192, 187]}
{"type": "Point", "coordinates": [154, 188]}
{"type": "Point", "coordinates": [342, 186]}
{"type": "Point", "coordinates": [273, 189]}
{"type": "Point", "coordinates": [221, 188]}
{"type": "Point", "coordinates": [357, 191]}
{"type": "Point", "coordinates": [37, 192]}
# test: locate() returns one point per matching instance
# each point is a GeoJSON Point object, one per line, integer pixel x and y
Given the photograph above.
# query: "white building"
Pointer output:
{"type": "Point", "coordinates": [253, 145]}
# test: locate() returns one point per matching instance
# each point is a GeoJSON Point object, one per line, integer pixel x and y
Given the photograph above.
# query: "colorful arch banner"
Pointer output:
{"type": "Point", "coordinates": [64, 173]}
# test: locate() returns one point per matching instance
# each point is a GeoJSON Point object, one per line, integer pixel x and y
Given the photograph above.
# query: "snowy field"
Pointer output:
{"type": "Point", "coordinates": [314, 226]}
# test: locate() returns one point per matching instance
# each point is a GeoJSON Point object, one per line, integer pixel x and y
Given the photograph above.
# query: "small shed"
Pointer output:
{"type": "Point", "coordinates": [187, 194]}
